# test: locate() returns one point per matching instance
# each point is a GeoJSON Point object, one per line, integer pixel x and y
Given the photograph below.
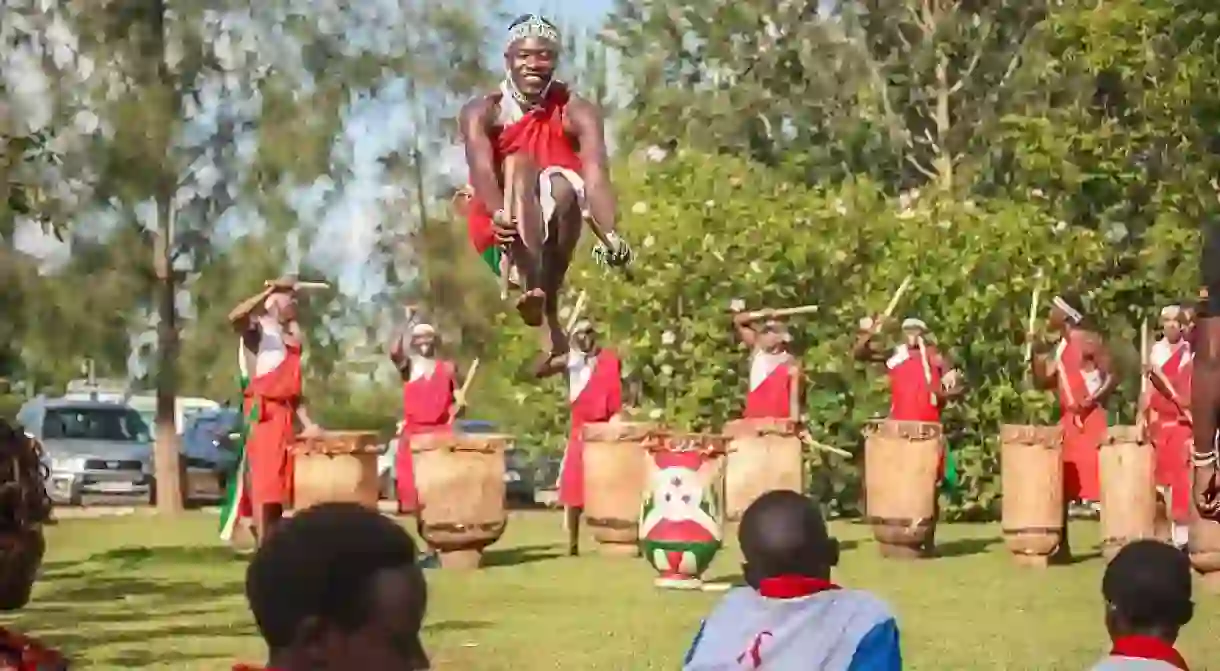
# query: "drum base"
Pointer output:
{"type": "Point", "coordinates": [904, 551]}
{"type": "Point", "coordinates": [678, 583]}
{"type": "Point", "coordinates": [618, 550]}
{"type": "Point", "coordinates": [461, 560]}
{"type": "Point", "coordinates": [1211, 582]}
{"type": "Point", "coordinates": [1032, 561]}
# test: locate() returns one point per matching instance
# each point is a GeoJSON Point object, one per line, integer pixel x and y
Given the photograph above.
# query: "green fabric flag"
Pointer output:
{"type": "Point", "coordinates": [230, 508]}
{"type": "Point", "coordinates": [951, 481]}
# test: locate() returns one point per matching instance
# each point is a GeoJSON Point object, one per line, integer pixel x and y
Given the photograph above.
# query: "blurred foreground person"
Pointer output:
{"type": "Point", "coordinates": [24, 508]}
{"type": "Point", "coordinates": [791, 617]}
{"type": "Point", "coordinates": [336, 588]}
{"type": "Point", "coordinates": [1147, 592]}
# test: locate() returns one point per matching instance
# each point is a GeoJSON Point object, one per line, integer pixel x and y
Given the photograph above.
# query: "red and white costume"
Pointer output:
{"type": "Point", "coordinates": [595, 390]}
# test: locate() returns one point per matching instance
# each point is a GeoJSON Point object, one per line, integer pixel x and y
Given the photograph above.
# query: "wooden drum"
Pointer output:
{"type": "Point", "coordinates": [615, 474]}
{"type": "Point", "coordinates": [763, 455]}
{"type": "Point", "coordinates": [460, 480]}
{"type": "Point", "coordinates": [1031, 468]}
{"type": "Point", "coordinates": [901, 463]}
{"type": "Point", "coordinates": [1128, 490]}
{"type": "Point", "coordinates": [335, 466]}
{"type": "Point", "coordinates": [682, 521]}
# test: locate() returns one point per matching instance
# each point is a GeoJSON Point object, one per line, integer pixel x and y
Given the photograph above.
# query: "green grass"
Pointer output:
{"type": "Point", "coordinates": [139, 593]}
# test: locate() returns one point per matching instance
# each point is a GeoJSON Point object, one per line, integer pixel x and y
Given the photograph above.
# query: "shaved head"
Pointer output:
{"type": "Point", "coordinates": [783, 533]}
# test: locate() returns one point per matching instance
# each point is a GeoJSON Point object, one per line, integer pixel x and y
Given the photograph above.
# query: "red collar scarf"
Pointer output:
{"type": "Point", "coordinates": [1148, 647]}
{"type": "Point", "coordinates": [793, 586]}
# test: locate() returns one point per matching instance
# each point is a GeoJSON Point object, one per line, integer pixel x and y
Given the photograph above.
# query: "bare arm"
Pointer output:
{"type": "Point", "coordinates": [303, 417]}
{"type": "Point", "coordinates": [866, 350]}
{"type": "Point", "coordinates": [239, 317]}
{"type": "Point", "coordinates": [480, 154]}
{"type": "Point", "coordinates": [743, 323]}
{"type": "Point", "coordinates": [794, 400]}
{"type": "Point", "coordinates": [958, 390]}
{"type": "Point", "coordinates": [589, 127]}
{"type": "Point", "coordinates": [551, 366]}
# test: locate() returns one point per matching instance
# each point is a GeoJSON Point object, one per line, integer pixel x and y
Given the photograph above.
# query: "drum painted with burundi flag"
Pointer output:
{"type": "Point", "coordinates": [682, 519]}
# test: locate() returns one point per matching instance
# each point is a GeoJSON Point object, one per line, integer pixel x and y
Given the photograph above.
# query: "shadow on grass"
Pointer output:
{"type": "Point", "coordinates": [456, 625]}
{"type": "Point", "coordinates": [525, 554]}
{"type": "Point", "coordinates": [965, 547]}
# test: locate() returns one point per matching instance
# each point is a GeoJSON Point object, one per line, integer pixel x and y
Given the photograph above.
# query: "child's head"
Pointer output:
{"type": "Point", "coordinates": [1147, 591]}
{"type": "Point", "coordinates": [782, 533]}
{"type": "Point", "coordinates": [24, 507]}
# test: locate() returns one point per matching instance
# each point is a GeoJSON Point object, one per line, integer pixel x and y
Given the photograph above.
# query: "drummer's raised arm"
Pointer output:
{"type": "Point", "coordinates": [551, 366]}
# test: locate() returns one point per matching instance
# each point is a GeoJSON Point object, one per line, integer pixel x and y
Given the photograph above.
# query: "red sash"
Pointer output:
{"type": "Point", "coordinates": [1082, 433]}
{"type": "Point", "coordinates": [912, 395]}
{"type": "Point", "coordinates": [539, 134]}
{"type": "Point", "coordinates": [278, 393]}
{"type": "Point", "coordinates": [26, 654]}
{"type": "Point", "coordinates": [773, 397]}
{"type": "Point", "coordinates": [427, 407]}
{"type": "Point", "coordinates": [600, 400]}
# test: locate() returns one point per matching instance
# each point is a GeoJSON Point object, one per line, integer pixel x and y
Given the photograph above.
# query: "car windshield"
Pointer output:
{"type": "Point", "coordinates": [211, 426]}
{"type": "Point", "coordinates": [117, 424]}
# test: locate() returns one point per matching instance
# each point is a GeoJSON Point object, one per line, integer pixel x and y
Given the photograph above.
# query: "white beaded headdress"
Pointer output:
{"type": "Point", "coordinates": [532, 25]}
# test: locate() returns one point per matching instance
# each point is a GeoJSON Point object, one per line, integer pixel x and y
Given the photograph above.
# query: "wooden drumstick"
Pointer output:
{"type": "Point", "coordinates": [510, 211]}
{"type": "Point", "coordinates": [461, 401]}
{"type": "Point", "coordinates": [576, 310]}
{"type": "Point", "coordinates": [1033, 317]}
{"type": "Point", "coordinates": [889, 309]}
{"type": "Point", "coordinates": [784, 312]}
{"type": "Point", "coordinates": [808, 440]}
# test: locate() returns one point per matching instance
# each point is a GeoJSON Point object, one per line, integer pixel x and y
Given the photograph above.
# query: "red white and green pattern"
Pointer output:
{"type": "Point", "coordinates": [231, 507]}
{"type": "Point", "coordinates": [681, 519]}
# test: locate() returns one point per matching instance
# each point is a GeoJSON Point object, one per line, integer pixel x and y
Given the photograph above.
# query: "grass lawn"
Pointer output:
{"type": "Point", "coordinates": [138, 593]}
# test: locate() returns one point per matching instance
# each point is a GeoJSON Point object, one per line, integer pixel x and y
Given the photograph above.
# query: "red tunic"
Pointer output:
{"type": "Point", "coordinates": [539, 134]}
{"type": "Point", "coordinates": [22, 653]}
{"type": "Point", "coordinates": [912, 388]}
{"type": "Point", "coordinates": [278, 395]}
{"type": "Point", "coordinates": [599, 399]}
{"type": "Point", "coordinates": [427, 407]}
{"type": "Point", "coordinates": [1082, 433]}
{"type": "Point", "coordinates": [770, 392]}
{"type": "Point", "coordinates": [1171, 434]}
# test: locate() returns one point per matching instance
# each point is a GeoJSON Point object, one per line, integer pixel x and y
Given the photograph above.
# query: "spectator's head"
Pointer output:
{"type": "Point", "coordinates": [782, 534]}
{"type": "Point", "coordinates": [1147, 591]}
{"type": "Point", "coordinates": [24, 507]}
{"type": "Point", "coordinates": [336, 587]}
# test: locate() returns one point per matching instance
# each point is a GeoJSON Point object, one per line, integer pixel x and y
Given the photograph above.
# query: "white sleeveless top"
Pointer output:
{"type": "Point", "coordinates": [271, 347]}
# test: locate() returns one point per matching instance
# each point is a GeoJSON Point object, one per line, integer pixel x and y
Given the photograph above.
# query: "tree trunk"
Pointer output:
{"type": "Point", "coordinates": [165, 455]}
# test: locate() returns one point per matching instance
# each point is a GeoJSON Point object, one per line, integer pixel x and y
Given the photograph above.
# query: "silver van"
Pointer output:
{"type": "Point", "coordinates": [96, 451]}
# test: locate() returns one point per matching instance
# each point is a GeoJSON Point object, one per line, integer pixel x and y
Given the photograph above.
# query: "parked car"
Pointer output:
{"type": "Point", "coordinates": [93, 449]}
{"type": "Point", "coordinates": [518, 476]}
{"type": "Point", "coordinates": [209, 447]}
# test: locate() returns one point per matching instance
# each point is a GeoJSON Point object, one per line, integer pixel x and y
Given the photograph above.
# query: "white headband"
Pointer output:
{"type": "Point", "coordinates": [422, 330]}
{"type": "Point", "coordinates": [534, 26]}
{"type": "Point", "coordinates": [1171, 312]}
{"type": "Point", "coordinates": [913, 323]}
{"type": "Point", "coordinates": [582, 326]}
{"type": "Point", "coordinates": [1072, 313]}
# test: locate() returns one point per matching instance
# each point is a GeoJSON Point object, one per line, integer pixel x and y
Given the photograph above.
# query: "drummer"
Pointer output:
{"type": "Point", "coordinates": [272, 337]}
{"type": "Point", "coordinates": [775, 376]}
{"type": "Point", "coordinates": [431, 400]}
{"type": "Point", "coordinates": [595, 392]}
{"type": "Point", "coordinates": [921, 378]}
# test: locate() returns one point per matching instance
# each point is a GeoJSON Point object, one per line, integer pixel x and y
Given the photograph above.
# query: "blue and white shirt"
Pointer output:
{"type": "Point", "coordinates": [795, 623]}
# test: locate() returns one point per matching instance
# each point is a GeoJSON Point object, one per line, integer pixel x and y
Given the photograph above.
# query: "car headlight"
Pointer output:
{"type": "Point", "coordinates": [67, 465]}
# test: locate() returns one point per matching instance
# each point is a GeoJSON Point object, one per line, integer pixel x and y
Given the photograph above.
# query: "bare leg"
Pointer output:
{"type": "Point", "coordinates": [526, 251]}
{"type": "Point", "coordinates": [572, 522]}
{"type": "Point", "coordinates": [565, 226]}
{"type": "Point", "coordinates": [268, 518]}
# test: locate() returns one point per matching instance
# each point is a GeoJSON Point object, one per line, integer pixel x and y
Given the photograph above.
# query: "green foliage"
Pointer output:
{"type": "Point", "coordinates": [712, 229]}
